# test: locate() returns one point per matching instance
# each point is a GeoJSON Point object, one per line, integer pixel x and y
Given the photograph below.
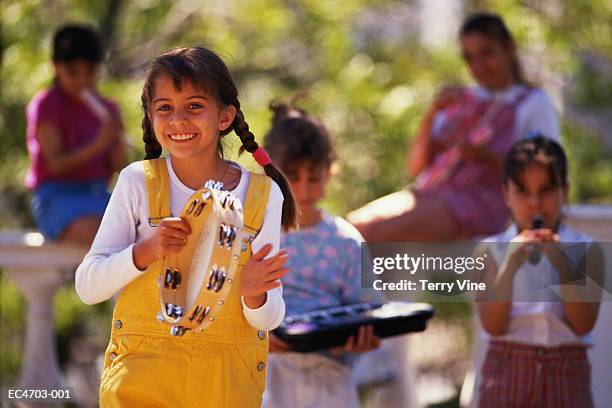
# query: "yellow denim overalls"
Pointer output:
{"type": "Point", "coordinates": [223, 366]}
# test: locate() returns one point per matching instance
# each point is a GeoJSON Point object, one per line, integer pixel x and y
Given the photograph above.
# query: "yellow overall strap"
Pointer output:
{"type": "Point", "coordinates": [158, 189]}
{"type": "Point", "coordinates": [254, 207]}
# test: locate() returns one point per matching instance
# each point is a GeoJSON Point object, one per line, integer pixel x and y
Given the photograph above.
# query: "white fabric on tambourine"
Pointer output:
{"type": "Point", "coordinates": [195, 282]}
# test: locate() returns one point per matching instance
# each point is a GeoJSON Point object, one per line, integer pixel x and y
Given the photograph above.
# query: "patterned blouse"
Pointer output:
{"type": "Point", "coordinates": [325, 262]}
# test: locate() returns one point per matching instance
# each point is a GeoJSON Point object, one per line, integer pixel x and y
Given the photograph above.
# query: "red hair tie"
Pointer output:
{"type": "Point", "coordinates": [261, 157]}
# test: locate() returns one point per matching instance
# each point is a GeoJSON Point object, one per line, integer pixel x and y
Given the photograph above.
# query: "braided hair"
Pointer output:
{"type": "Point", "coordinates": [205, 70]}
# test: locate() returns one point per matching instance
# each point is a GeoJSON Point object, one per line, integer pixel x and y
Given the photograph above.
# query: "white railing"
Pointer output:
{"type": "Point", "coordinates": [39, 269]}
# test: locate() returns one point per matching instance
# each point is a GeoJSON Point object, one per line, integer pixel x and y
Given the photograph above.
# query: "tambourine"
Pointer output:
{"type": "Point", "coordinates": [195, 282]}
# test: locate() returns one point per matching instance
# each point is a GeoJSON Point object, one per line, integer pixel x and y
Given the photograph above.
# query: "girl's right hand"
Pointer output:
{"type": "Point", "coordinates": [169, 237]}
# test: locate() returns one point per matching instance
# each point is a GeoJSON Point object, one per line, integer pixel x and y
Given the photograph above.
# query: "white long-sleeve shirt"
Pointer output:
{"type": "Point", "coordinates": [109, 265]}
{"type": "Point", "coordinates": [540, 322]}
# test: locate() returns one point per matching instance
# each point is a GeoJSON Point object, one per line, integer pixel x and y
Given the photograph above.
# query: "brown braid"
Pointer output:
{"type": "Point", "coordinates": [152, 147]}
{"type": "Point", "coordinates": [241, 127]}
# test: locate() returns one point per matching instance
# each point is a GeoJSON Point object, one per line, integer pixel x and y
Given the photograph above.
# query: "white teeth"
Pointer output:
{"type": "Point", "coordinates": [182, 136]}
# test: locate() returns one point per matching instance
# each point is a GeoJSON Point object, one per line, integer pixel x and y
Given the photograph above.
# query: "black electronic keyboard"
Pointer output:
{"type": "Point", "coordinates": [327, 328]}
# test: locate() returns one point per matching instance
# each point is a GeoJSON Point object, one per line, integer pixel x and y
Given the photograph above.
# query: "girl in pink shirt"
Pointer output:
{"type": "Point", "coordinates": [74, 138]}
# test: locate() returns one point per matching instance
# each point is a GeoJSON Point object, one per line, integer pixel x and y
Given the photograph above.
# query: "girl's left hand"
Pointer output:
{"type": "Point", "coordinates": [549, 238]}
{"type": "Point", "coordinates": [261, 275]}
{"type": "Point", "coordinates": [277, 345]}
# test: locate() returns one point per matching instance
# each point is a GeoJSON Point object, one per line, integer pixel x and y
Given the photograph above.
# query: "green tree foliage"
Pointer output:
{"type": "Point", "coordinates": [362, 64]}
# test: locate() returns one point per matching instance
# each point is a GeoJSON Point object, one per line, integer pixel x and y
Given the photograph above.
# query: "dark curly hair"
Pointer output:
{"type": "Point", "coordinates": [296, 137]}
{"type": "Point", "coordinates": [77, 42]}
{"type": "Point", "coordinates": [206, 71]}
{"type": "Point", "coordinates": [540, 150]}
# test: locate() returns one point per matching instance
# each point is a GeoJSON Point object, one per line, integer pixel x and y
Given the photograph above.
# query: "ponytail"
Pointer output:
{"type": "Point", "coordinates": [241, 127]}
{"type": "Point", "coordinates": [282, 111]}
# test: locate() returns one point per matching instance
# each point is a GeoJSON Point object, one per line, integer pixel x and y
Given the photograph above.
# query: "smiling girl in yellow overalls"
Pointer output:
{"type": "Point", "coordinates": [190, 102]}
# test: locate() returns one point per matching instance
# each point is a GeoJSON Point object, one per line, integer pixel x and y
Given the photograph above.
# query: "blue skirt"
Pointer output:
{"type": "Point", "coordinates": [56, 204]}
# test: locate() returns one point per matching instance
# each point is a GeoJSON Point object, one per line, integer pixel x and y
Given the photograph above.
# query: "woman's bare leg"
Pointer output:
{"type": "Point", "coordinates": [384, 207]}
{"type": "Point", "coordinates": [82, 230]}
{"type": "Point", "coordinates": [402, 216]}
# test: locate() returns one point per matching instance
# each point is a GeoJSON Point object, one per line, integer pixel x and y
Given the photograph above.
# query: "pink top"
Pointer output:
{"type": "Point", "coordinates": [470, 190]}
{"type": "Point", "coordinates": [78, 126]}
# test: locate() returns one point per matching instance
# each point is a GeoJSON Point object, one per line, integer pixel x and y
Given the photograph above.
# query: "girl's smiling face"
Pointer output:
{"type": "Point", "coordinates": [187, 121]}
{"type": "Point", "coordinates": [535, 194]}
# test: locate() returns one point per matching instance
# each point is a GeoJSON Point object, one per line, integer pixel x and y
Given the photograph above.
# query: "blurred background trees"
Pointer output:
{"type": "Point", "coordinates": [367, 68]}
